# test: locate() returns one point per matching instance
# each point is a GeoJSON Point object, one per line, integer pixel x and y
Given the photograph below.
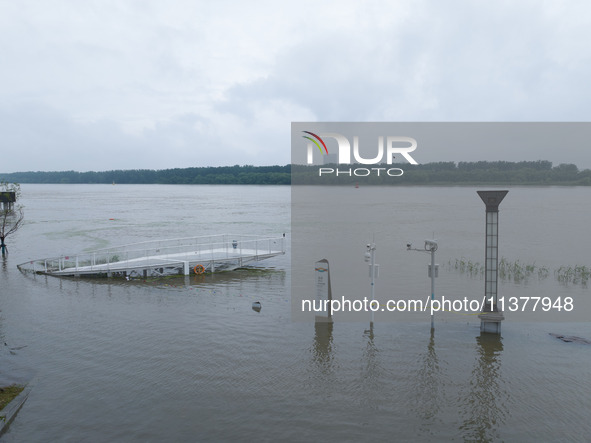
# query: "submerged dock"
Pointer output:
{"type": "Point", "coordinates": [183, 256]}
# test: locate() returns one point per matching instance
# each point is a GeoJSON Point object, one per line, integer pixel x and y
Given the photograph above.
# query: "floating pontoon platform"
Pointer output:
{"type": "Point", "coordinates": [182, 256]}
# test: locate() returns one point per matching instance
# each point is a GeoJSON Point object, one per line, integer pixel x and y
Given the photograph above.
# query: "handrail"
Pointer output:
{"type": "Point", "coordinates": [182, 249]}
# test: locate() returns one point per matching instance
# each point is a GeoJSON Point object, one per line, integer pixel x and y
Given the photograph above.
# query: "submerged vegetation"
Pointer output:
{"type": "Point", "coordinates": [520, 272]}
{"type": "Point", "coordinates": [9, 393]}
{"type": "Point", "coordinates": [573, 274]}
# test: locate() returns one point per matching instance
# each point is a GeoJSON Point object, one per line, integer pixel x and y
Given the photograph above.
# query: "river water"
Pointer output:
{"type": "Point", "coordinates": [187, 359]}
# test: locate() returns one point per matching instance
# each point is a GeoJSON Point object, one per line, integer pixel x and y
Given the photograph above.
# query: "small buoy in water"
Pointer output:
{"type": "Point", "coordinates": [111, 219]}
{"type": "Point", "coordinates": [256, 306]}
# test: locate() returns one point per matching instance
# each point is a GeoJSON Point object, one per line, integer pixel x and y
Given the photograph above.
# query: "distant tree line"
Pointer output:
{"type": "Point", "coordinates": [539, 172]}
{"type": "Point", "coordinates": [239, 175]}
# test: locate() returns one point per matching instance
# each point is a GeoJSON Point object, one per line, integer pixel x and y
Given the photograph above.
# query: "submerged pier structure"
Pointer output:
{"type": "Point", "coordinates": [182, 256]}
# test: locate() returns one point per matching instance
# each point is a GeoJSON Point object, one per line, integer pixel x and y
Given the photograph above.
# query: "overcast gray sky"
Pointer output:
{"type": "Point", "coordinates": [99, 85]}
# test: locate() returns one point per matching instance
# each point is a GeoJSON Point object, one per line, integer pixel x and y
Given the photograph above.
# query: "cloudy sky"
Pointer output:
{"type": "Point", "coordinates": [123, 84]}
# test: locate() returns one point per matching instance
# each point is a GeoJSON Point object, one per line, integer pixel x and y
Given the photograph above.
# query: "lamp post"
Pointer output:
{"type": "Point", "coordinates": [433, 269]}
{"type": "Point", "coordinates": [370, 257]}
{"type": "Point", "coordinates": [491, 317]}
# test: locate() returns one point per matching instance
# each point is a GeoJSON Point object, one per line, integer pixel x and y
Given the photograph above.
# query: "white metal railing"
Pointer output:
{"type": "Point", "coordinates": [180, 249]}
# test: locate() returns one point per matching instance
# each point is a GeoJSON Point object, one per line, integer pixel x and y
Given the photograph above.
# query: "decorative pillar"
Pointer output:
{"type": "Point", "coordinates": [491, 317]}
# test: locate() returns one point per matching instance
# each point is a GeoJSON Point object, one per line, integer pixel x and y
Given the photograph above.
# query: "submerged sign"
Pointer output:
{"type": "Point", "coordinates": [323, 290]}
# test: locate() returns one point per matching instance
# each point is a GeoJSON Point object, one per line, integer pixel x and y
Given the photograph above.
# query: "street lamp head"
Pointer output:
{"type": "Point", "coordinates": [492, 199]}
{"type": "Point", "coordinates": [431, 245]}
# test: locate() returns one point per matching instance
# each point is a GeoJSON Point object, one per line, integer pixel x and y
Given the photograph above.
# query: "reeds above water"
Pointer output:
{"type": "Point", "coordinates": [519, 272]}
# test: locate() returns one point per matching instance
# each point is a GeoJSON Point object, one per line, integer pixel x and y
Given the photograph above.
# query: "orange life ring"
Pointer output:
{"type": "Point", "coordinates": [199, 269]}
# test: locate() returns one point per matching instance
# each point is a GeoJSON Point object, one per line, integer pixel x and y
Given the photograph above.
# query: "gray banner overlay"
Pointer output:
{"type": "Point", "coordinates": [340, 216]}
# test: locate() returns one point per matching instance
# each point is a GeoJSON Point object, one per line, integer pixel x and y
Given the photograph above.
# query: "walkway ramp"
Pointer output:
{"type": "Point", "coordinates": [182, 256]}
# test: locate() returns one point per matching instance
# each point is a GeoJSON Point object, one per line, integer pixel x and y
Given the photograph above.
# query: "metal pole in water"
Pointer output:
{"type": "Point", "coordinates": [371, 257]}
{"type": "Point", "coordinates": [373, 277]}
{"type": "Point", "coordinates": [432, 285]}
{"type": "Point", "coordinates": [430, 246]}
